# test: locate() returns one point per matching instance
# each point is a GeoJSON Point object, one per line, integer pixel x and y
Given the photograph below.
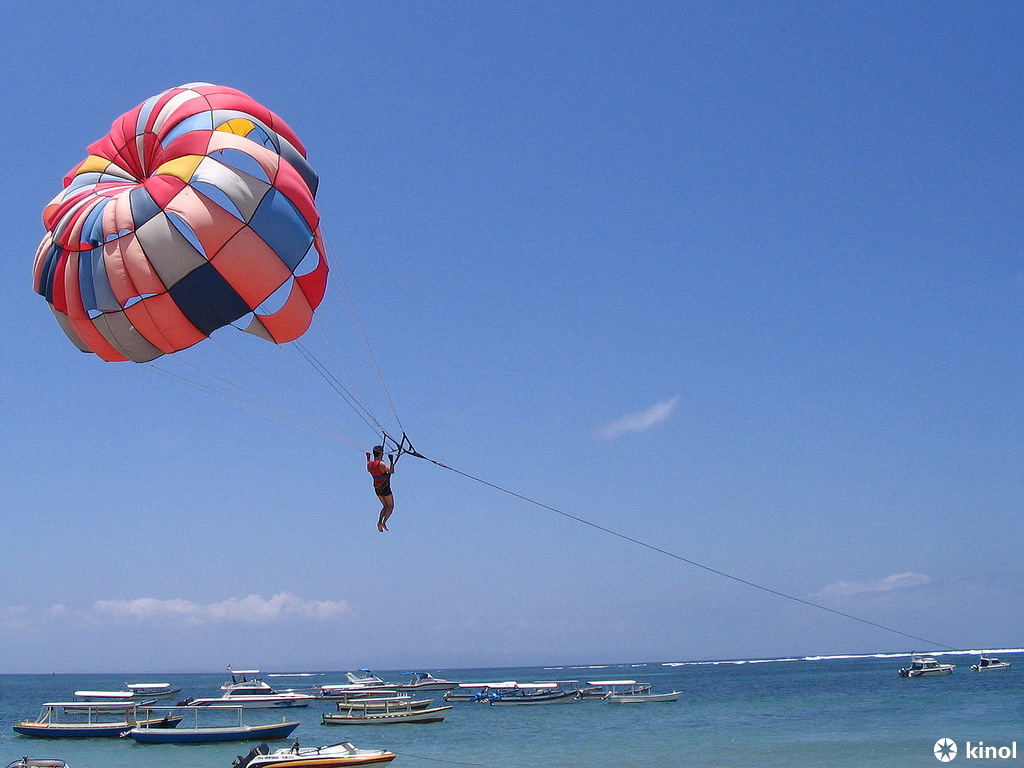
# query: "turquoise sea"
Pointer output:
{"type": "Point", "coordinates": [798, 712]}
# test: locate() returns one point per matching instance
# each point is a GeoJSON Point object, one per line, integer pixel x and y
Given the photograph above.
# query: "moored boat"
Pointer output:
{"type": "Point", "coordinates": [988, 663]}
{"type": "Point", "coordinates": [152, 690]}
{"type": "Point", "coordinates": [363, 681]}
{"type": "Point", "coordinates": [926, 666]}
{"type": "Point", "coordinates": [384, 703]}
{"type": "Point", "coordinates": [330, 756]}
{"type": "Point", "coordinates": [83, 719]}
{"type": "Point", "coordinates": [198, 733]}
{"type": "Point", "coordinates": [475, 691]}
{"type": "Point", "coordinates": [528, 694]}
{"type": "Point", "coordinates": [640, 698]}
{"type": "Point", "coordinates": [424, 681]}
{"type": "Point", "coordinates": [390, 715]}
{"type": "Point", "coordinates": [244, 689]}
{"type": "Point", "coordinates": [601, 689]}
{"type": "Point", "coordinates": [38, 762]}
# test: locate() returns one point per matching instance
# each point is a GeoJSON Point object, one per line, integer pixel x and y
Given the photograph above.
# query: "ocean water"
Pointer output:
{"type": "Point", "coordinates": [803, 712]}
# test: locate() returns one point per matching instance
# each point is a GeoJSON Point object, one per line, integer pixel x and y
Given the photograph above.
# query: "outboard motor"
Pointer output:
{"type": "Point", "coordinates": [259, 749]}
{"type": "Point", "coordinates": [186, 702]}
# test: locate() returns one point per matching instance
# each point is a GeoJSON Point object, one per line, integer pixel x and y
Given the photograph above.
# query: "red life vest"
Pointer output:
{"type": "Point", "coordinates": [376, 470]}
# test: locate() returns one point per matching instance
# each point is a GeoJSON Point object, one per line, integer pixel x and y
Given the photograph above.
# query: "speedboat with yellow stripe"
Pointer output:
{"type": "Point", "coordinates": [339, 755]}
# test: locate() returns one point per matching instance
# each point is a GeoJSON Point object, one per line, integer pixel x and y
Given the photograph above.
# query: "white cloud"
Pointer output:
{"type": "Point", "coordinates": [248, 610]}
{"type": "Point", "coordinates": [843, 589]}
{"type": "Point", "coordinates": [639, 422]}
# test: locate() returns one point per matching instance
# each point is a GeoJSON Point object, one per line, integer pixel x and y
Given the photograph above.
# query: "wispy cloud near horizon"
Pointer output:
{"type": "Point", "coordinates": [253, 609]}
{"type": "Point", "coordinates": [897, 581]}
{"type": "Point", "coordinates": [640, 421]}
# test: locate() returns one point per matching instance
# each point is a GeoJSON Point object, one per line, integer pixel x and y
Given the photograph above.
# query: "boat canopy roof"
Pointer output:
{"type": "Point", "coordinates": [147, 686]}
{"type": "Point", "coordinates": [119, 705]}
{"type": "Point", "coordinates": [506, 684]}
{"type": "Point", "coordinates": [611, 682]}
{"type": "Point", "coordinates": [244, 671]}
{"type": "Point", "coordinates": [536, 686]}
{"type": "Point", "coordinates": [104, 694]}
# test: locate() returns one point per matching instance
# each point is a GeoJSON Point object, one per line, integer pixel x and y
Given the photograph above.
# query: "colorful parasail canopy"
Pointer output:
{"type": "Point", "coordinates": [196, 211]}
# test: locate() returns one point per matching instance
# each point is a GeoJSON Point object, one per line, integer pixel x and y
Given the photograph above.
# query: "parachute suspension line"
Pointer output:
{"type": "Point", "coordinates": [252, 406]}
{"type": "Point", "coordinates": [340, 361]}
{"type": "Point", "coordinates": [345, 298]}
{"type": "Point", "coordinates": [338, 387]}
{"type": "Point", "coordinates": [678, 557]}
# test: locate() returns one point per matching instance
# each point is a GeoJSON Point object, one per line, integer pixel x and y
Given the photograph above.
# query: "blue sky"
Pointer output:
{"type": "Point", "coordinates": [742, 281]}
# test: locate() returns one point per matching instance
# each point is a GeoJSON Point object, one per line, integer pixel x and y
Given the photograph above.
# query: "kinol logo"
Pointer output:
{"type": "Point", "coordinates": [946, 751]}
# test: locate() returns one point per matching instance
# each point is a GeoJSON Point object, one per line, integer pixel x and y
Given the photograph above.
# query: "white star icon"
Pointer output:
{"type": "Point", "coordinates": [945, 750]}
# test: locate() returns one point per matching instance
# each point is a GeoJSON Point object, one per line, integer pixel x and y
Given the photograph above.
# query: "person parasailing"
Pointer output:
{"type": "Point", "coordinates": [381, 473]}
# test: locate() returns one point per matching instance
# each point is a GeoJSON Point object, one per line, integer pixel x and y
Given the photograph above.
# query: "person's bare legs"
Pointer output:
{"type": "Point", "coordinates": [388, 507]}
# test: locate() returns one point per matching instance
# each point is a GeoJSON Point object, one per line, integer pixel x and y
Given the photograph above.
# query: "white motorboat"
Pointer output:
{"type": "Point", "coordinates": [363, 681]}
{"type": "Point", "coordinates": [244, 689]}
{"type": "Point", "coordinates": [601, 689]}
{"type": "Point", "coordinates": [424, 681]}
{"type": "Point", "coordinates": [640, 698]}
{"type": "Point", "coordinates": [926, 666]}
{"type": "Point", "coordinates": [988, 663]}
{"type": "Point", "coordinates": [364, 678]}
{"type": "Point", "coordinates": [38, 762]}
{"type": "Point", "coordinates": [331, 756]}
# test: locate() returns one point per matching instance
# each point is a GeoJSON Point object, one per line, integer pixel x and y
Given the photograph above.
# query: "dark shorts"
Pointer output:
{"type": "Point", "coordinates": [384, 489]}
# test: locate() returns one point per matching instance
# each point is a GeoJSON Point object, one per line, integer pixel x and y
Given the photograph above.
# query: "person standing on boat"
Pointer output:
{"type": "Point", "coordinates": [381, 473]}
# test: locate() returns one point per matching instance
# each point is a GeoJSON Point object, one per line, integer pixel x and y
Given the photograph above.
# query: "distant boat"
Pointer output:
{"type": "Point", "coordinates": [601, 689]}
{"type": "Point", "coordinates": [198, 733]}
{"type": "Point", "coordinates": [332, 756]}
{"type": "Point", "coordinates": [640, 698]}
{"type": "Point", "coordinates": [529, 694]}
{"type": "Point", "coordinates": [36, 762]}
{"type": "Point", "coordinates": [83, 719]}
{"type": "Point", "coordinates": [392, 714]}
{"type": "Point", "coordinates": [926, 666]}
{"type": "Point", "coordinates": [988, 663]}
{"type": "Point", "coordinates": [152, 690]}
{"type": "Point", "coordinates": [475, 691]}
{"type": "Point", "coordinates": [244, 689]}
{"type": "Point", "coordinates": [363, 681]}
{"type": "Point", "coordinates": [424, 681]}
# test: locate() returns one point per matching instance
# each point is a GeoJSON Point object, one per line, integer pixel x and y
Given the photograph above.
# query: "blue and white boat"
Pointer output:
{"type": "Point", "coordinates": [83, 719]}
{"type": "Point", "coordinates": [205, 730]}
{"type": "Point", "coordinates": [528, 694]}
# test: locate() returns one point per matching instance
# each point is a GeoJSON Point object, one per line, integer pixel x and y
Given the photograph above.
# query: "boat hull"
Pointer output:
{"type": "Point", "coordinates": [431, 715]}
{"type": "Point", "coordinates": [548, 698]}
{"type": "Point", "coordinates": [926, 672]}
{"type": "Point", "coordinates": [640, 698]}
{"type": "Point", "coordinates": [271, 732]}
